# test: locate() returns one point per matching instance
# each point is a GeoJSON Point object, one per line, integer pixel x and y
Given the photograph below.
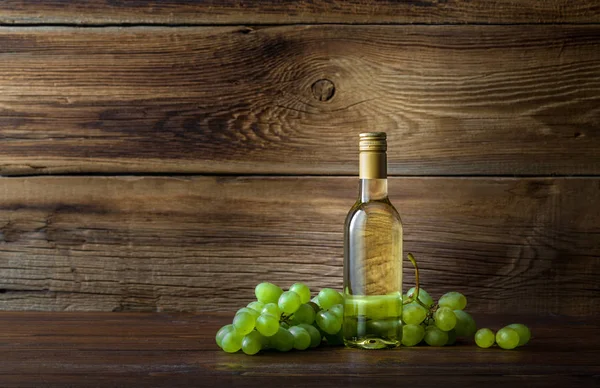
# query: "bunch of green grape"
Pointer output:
{"type": "Point", "coordinates": [435, 324]}
{"type": "Point", "coordinates": [284, 320]}
{"type": "Point", "coordinates": [442, 323]}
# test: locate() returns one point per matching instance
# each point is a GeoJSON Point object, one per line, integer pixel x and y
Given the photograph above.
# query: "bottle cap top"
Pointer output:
{"type": "Point", "coordinates": [373, 141]}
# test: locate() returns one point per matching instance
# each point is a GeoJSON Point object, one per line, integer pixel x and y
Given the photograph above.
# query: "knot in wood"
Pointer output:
{"type": "Point", "coordinates": [323, 90]}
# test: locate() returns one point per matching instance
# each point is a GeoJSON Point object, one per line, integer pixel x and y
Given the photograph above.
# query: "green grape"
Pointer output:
{"type": "Point", "coordinates": [384, 327]}
{"type": "Point", "coordinates": [267, 293]}
{"type": "Point", "coordinates": [445, 319]}
{"type": "Point", "coordinates": [289, 302]}
{"type": "Point", "coordinates": [507, 338]}
{"type": "Point", "coordinates": [522, 331]}
{"type": "Point", "coordinates": [302, 339]}
{"type": "Point", "coordinates": [252, 343]}
{"type": "Point", "coordinates": [328, 322]}
{"type": "Point", "coordinates": [302, 290]}
{"type": "Point", "coordinates": [256, 306]}
{"type": "Point", "coordinates": [315, 335]}
{"type": "Point", "coordinates": [413, 313]}
{"type": "Point", "coordinates": [412, 334]}
{"type": "Point", "coordinates": [484, 338]}
{"type": "Point", "coordinates": [304, 314]}
{"type": "Point", "coordinates": [232, 342]}
{"type": "Point", "coordinates": [271, 309]}
{"type": "Point", "coordinates": [244, 323]}
{"type": "Point", "coordinates": [223, 332]}
{"type": "Point", "coordinates": [337, 310]}
{"type": "Point", "coordinates": [435, 337]}
{"type": "Point", "coordinates": [329, 297]}
{"type": "Point", "coordinates": [453, 300]}
{"type": "Point", "coordinates": [284, 325]}
{"type": "Point", "coordinates": [465, 324]}
{"type": "Point", "coordinates": [315, 300]}
{"type": "Point", "coordinates": [267, 325]}
{"type": "Point", "coordinates": [248, 310]}
{"type": "Point", "coordinates": [283, 340]}
{"type": "Point", "coordinates": [451, 337]}
{"type": "Point", "coordinates": [424, 296]}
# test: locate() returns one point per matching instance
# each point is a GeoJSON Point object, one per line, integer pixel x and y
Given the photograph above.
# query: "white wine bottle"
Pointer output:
{"type": "Point", "coordinates": [373, 255]}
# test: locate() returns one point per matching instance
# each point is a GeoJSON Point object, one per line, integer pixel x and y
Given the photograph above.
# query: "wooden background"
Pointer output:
{"type": "Point", "coordinates": [169, 155]}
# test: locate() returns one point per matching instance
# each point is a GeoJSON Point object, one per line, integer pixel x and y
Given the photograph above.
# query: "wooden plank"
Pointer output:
{"type": "Point", "coordinates": [120, 349]}
{"type": "Point", "coordinates": [281, 12]}
{"type": "Point", "coordinates": [475, 100]}
{"type": "Point", "coordinates": [165, 244]}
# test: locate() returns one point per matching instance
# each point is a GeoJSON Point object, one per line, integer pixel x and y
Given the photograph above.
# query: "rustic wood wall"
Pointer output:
{"type": "Point", "coordinates": [168, 155]}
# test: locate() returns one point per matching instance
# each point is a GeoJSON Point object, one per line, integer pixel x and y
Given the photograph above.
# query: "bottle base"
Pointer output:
{"type": "Point", "coordinates": [371, 343]}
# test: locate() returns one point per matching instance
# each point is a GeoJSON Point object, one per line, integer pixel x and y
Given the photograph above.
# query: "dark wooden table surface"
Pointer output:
{"type": "Point", "coordinates": [178, 350]}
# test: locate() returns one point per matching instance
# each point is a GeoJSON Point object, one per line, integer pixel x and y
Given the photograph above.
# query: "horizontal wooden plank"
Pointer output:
{"type": "Point", "coordinates": [285, 12]}
{"type": "Point", "coordinates": [203, 243]}
{"type": "Point", "coordinates": [475, 100]}
{"type": "Point", "coordinates": [120, 349]}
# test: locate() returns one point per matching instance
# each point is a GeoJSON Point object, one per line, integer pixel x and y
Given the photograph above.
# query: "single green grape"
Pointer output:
{"type": "Point", "coordinates": [453, 300]}
{"type": "Point", "coordinates": [465, 324]}
{"type": "Point", "coordinates": [302, 338]}
{"type": "Point", "coordinates": [484, 338]}
{"type": "Point", "coordinates": [315, 335]}
{"type": "Point", "coordinates": [412, 334]}
{"type": "Point", "coordinates": [315, 300]}
{"type": "Point", "coordinates": [289, 302]}
{"type": "Point", "coordinates": [507, 338]}
{"type": "Point", "coordinates": [244, 323]}
{"type": "Point", "coordinates": [434, 336]}
{"type": "Point", "coordinates": [451, 337]}
{"type": "Point", "coordinates": [328, 322]}
{"type": "Point", "coordinates": [522, 331]}
{"type": "Point", "coordinates": [304, 314]}
{"type": "Point", "coordinates": [248, 310]}
{"type": "Point", "coordinates": [256, 306]}
{"type": "Point", "coordinates": [337, 310]}
{"type": "Point", "coordinates": [267, 292]}
{"type": "Point", "coordinates": [445, 318]}
{"type": "Point", "coordinates": [389, 327]}
{"type": "Point", "coordinates": [413, 313]}
{"type": "Point", "coordinates": [252, 343]}
{"type": "Point", "coordinates": [329, 297]}
{"type": "Point", "coordinates": [424, 296]}
{"type": "Point", "coordinates": [271, 309]}
{"type": "Point", "coordinates": [302, 290]}
{"type": "Point", "coordinates": [283, 340]}
{"type": "Point", "coordinates": [232, 342]}
{"type": "Point", "coordinates": [222, 333]}
{"type": "Point", "coordinates": [267, 325]}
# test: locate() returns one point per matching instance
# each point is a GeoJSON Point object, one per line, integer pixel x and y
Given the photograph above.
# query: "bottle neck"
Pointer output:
{"type": "Point", "coordinates": [373, 175]}
{"type": "Point", "coordinates": [372, 190]}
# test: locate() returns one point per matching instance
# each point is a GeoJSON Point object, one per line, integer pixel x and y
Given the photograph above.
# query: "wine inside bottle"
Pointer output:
{"type": "Point", "coordinates": [372, 256]}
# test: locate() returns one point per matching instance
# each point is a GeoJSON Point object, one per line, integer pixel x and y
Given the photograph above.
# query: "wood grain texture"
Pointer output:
{"type": "Point", "coordinates": [175, 350]}
{"type": "Point", "coordinates": [165, 244]}
{"type": "Point", "coordinates": [292, 12]}
{"type": "Point", "coordinates": [476, 100]}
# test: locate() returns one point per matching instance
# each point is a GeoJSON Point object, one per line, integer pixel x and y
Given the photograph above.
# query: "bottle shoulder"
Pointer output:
{"type": "Point", "coordinates": [379, 208]}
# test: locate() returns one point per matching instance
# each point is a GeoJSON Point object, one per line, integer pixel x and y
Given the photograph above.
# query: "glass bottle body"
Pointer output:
{"type": "Point", "coordinates": [372, 270]}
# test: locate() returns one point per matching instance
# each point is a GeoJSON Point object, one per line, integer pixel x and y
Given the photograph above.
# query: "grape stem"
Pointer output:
{"type": "Point", "coordinates": [415, 295]}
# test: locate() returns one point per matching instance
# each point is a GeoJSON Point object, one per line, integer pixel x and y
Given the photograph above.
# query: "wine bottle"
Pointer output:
{"type": "Point", "coordinates": [372, 255]}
